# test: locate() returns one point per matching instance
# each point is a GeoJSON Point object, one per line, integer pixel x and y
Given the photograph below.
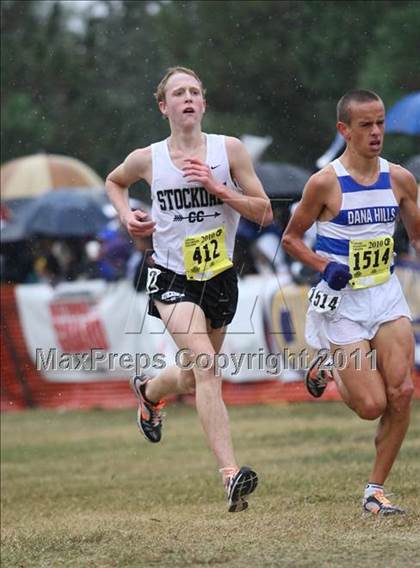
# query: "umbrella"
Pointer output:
{"type": "Point", "coordinates": [256, 145]}
{"type": "Point", "coordinates": [34, 175]}
{"type": "Point", "coordinates": [404, 116]}
{"type": "Point", "coordinates": [337, 145]}
{"type": "Point", "coordinates": [13, 226]}
{"type": "Point", "coordinates": [65, 213]}
{"type": "Point", "coordinates": [282, 180]}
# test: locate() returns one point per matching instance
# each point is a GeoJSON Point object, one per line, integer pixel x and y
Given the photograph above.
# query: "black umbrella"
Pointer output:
{"type": "Point", "coordinates": [66, 213]}
{"type": "Point", "coordinates": [282, 180]}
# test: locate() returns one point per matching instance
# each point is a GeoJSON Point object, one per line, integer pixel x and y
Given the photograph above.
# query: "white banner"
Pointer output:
{"type": "Point", "coordinates": [93, 330]}
{"type": "Point", "coordinates": [88, 330]}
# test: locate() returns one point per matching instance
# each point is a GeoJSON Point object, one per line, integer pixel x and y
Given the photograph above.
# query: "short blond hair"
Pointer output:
{"type": "Point", "coordinates": [160, 91]}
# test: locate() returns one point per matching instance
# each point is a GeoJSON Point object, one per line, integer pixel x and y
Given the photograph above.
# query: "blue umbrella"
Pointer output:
{"type": "Point", "coordinates": [404, 116]}
{"type": "Point", "coordinates": [14, 229]}
{"type": "Point", "coordinates": [66, 213]}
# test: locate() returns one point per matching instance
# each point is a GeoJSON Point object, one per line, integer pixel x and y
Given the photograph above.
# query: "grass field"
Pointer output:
{"type": "Point", "coordinates": [84, 489]}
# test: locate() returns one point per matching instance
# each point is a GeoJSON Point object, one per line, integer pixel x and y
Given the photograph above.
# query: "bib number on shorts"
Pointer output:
{"type": "Point", "coordinates": [370, 261]}
{"type": "Point", "coordinates": [205, 255]}
{"type": "Point", "coordinates": [323, 302]}
{"type": "Point", "coordinates": [151, 284]}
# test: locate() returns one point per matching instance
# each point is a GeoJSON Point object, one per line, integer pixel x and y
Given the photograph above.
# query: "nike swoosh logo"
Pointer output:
{"type": "Point", "coordinates": [214, 167]}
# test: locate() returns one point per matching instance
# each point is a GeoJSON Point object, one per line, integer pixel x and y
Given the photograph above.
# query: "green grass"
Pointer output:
{"type": "Point", "coordinates": [83, 489]}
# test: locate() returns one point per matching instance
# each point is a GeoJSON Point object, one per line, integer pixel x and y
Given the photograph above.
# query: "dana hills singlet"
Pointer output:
{"type": "Point", "coordinates": [361, 234]}
{"type": "Point", "coordinates": [195, 230]}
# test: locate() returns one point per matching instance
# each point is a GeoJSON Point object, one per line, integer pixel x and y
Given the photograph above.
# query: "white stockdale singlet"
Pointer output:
{"type": "Point", "coordinates": [182, 209]}
{"type": "Point", "coordinates": [366, 221]}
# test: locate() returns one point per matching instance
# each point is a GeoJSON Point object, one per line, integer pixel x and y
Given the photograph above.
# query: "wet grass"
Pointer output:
{"type": "Point", "coordinates": [83, 489]}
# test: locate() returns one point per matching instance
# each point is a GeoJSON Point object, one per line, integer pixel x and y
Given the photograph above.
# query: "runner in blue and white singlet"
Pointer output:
{"type": "Point", "coordinates": [367, 213]}
{"type": "Point", "coordinates": [361, 237]}
{"type": "Point", "coordinates": [357, 313]}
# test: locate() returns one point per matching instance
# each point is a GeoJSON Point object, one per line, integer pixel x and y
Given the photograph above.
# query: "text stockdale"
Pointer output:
{"type": "Point", "coordinates": [186, 198]}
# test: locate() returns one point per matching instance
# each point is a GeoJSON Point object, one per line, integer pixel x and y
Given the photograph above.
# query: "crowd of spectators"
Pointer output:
{"type": "Point", "coordinates": [112, 255]}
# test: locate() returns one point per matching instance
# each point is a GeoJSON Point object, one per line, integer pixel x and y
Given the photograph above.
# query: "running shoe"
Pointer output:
{"type": "Point", "coordinates": [317, 379]}
{"type": "Point", "coordinates": [238, 487]}
{"type": "Point", "coordinates": [378, 504]}
{"type": "Point", "coordinates": [149, 416]}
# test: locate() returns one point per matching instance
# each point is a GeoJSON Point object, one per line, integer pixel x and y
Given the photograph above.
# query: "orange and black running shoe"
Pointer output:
{"type": "Point", "coordinates": [317, 377]}
{"type": "Point", "coordinates": [149, 416]}
{"type": "Point", "coordinates": [378, 504]}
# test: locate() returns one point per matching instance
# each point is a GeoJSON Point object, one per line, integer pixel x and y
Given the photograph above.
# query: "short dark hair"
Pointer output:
{"type": "Point", "coordinates": [356, 96]}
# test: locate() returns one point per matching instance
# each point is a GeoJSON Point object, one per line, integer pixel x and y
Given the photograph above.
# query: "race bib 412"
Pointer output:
{"type": "Point", "coordinates": [205, 255]}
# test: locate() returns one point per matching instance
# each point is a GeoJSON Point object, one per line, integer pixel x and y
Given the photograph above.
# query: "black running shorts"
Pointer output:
{"type": "Point", "coordinates": [217, 297]}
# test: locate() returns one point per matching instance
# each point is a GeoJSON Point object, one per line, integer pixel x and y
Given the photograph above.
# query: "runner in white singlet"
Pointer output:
{"type": "Point", "coordinates": [200, 185]}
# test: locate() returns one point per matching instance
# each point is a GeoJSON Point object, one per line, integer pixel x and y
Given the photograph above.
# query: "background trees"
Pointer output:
{"type": "Point", "coordinates": [84, 86]}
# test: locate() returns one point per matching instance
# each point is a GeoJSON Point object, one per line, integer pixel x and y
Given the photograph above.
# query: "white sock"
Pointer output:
{"type": "Point", "coordinates": [227, 473]}
{"type": "Point", "coordinates": [371, 488]}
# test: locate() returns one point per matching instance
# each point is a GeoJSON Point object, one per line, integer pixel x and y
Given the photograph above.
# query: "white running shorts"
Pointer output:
{"type": "Point", "coordinates": [358, 315]}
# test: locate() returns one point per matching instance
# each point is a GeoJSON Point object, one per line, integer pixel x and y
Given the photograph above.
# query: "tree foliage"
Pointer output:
{"type": "Point", "coordinates": [273, 68]}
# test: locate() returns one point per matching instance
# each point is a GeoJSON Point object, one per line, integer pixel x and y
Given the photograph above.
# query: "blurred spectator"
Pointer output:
{"type": "Point", "coordinates": [17, 263]}
{"type": "Point", "coordinates": [113, 255]}
{"type": "Point", "coordinates": [258, 248]}
{"type": "Point", "coordinates": [47, 269]}
{"type": "Point", "coordinates": [58, 260]}
{"type": "Point", "coordinates": [71, 253]}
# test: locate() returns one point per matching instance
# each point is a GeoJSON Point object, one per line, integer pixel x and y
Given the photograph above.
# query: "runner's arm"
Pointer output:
{"type": "Point", "coordinates": [406, 186]}
{"type": "Point", "coordinates": [306, 213]}
{"type": "Point", "coordinates": [253, 202]}
{"type": "Point", "coordinates": [117, 183]}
